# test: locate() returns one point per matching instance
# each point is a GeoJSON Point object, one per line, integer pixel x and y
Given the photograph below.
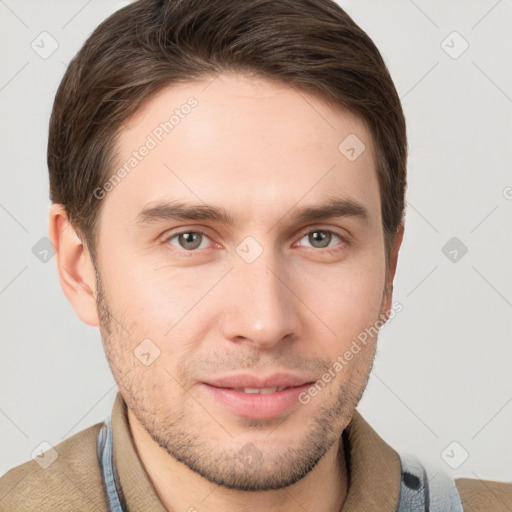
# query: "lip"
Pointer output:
{"type": "Point", "coordinates": [246, 380]}
{"type": "Point", "coordinates": [252, 405]}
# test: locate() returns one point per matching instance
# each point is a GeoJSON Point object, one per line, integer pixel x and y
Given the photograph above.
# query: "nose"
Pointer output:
{"type": "Point", "coordinates": [261, 307]}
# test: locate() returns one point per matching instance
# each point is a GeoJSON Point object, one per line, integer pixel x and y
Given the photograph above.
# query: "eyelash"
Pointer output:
{"type": "Point", "coordinates": [329, 250]}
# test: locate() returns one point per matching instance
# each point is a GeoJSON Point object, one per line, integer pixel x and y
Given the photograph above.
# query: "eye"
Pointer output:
{"type": "Point", "coordinates": [188, 240]}
{"type": "Point", "coordinates": [322, 238]}
{"type": "Point", "coordinates": [191, 241]}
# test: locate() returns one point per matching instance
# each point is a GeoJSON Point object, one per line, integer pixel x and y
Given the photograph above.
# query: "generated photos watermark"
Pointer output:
{"type": "Point", "coordinates": [154, 138]}
{"type": "Point", "coordinates": [344, 359]}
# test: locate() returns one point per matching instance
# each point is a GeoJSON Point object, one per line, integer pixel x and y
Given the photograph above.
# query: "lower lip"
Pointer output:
{"type": "Point", "coordinates": [256, 406]}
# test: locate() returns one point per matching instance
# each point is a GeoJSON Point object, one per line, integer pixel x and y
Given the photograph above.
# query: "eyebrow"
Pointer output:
{"type": "Point", "coordinates": [179, 211]}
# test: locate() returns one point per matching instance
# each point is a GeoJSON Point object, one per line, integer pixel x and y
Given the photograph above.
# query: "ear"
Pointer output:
{"type": "Point", "coordinates": [74, 266]}
{"type": "Point", "coordinates": [390, 272]}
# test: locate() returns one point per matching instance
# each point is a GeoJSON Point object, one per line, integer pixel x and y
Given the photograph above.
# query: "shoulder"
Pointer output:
{"type": "Point", "coordinates": [484, 495]}
{"type": "Point", "coordinates": [71, 482]}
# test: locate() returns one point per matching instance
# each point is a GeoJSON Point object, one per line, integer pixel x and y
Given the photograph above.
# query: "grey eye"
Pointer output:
{"type": "Point", "coordinates": [321, 238]}
{"type": "Point", "coordinates": [188, 240]}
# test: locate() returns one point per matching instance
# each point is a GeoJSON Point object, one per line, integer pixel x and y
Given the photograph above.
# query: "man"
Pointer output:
{"type": "Point", "coordinates": [228, 180]}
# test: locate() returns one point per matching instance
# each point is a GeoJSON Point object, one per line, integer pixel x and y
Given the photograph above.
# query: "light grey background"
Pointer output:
{"type": "Point", "coordinates": [443, 369]}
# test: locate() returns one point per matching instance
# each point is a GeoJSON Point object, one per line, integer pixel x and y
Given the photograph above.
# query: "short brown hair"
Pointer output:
{"type": "Point", "coordinates": [312, 45]}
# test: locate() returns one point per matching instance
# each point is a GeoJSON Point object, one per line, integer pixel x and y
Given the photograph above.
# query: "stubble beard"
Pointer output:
{"type": "Point", "coordinates": [250, 467]}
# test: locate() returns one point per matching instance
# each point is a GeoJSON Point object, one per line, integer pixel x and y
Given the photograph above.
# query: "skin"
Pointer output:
{"type": "Point", "coordinates": [262, 151]}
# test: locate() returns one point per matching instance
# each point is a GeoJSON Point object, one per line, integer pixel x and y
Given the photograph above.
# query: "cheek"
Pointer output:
{"type": "Point", "coordinates": [141, 293]}
{"type": "Point", "coordinates": [166, 305]}
{"type": "Point", "coordinates": [348, 299]}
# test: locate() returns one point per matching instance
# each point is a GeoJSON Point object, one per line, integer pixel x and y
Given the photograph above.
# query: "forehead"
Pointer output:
{"type": "Point", "coordinates": [254, 146]}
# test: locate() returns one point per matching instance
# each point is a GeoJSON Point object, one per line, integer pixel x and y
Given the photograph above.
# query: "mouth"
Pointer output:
{"type": "Point", "coordinates": [254, 397]}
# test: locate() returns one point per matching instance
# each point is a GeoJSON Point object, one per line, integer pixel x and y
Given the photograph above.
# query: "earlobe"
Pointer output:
{"type": "Point", "coordinates": [390, 272]}
{"type": "Point", "coordinates": [393, 258]}
{"type": "Point", "coordinates": [74, 266]}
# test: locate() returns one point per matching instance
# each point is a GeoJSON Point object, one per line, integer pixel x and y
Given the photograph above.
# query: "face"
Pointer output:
{"type": "Point", "coordinates": [239, 257]}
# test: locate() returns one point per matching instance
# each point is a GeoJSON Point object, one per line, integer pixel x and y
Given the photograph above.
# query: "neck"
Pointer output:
{"type": "Point", "coordinates": [323, 489]}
